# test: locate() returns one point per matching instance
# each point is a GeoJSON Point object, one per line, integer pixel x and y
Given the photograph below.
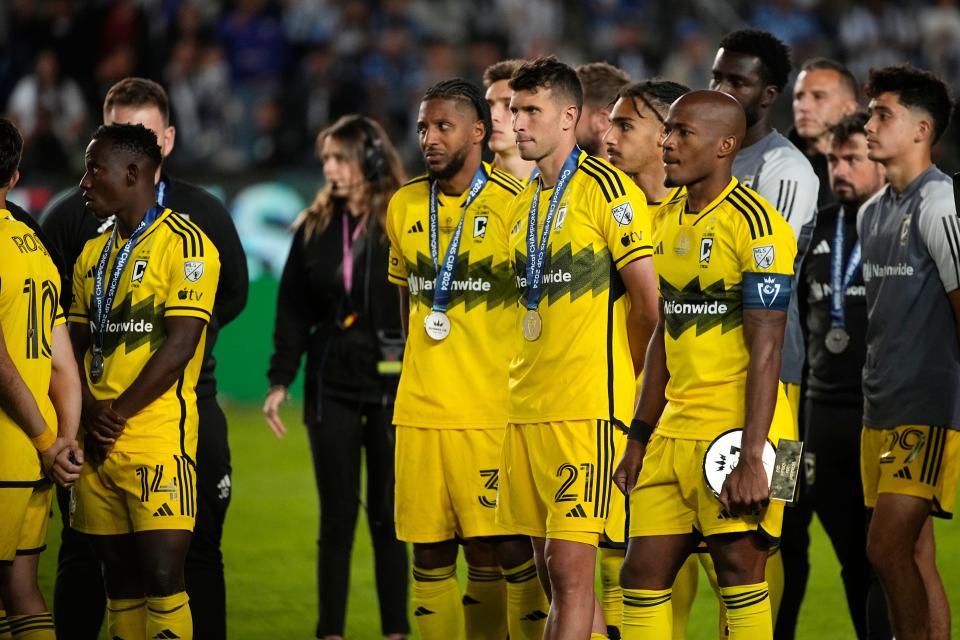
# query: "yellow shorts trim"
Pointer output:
{"type": "Point", "coordinates": [913, 460]}
{"type": "Point", "coordinates": [25, 515]}
{"type": "Point", "coordinates": [672, 496]}
{"type": "Point", "coordinates": [555, 479]}
{"type": "Point", "coordinates": [132, 492]}
{"type": "Point", "coordinates": [446, 483]}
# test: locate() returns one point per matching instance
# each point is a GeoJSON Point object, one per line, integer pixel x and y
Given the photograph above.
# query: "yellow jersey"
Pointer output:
{"type": "Point", "coordinates": [736, 253]}
{"type": "Point", "coordinates": [173, 271]}
{"type": "Point", "coordinates": [580, 367]}
{"type": "Point", "coordinates": [459, 382]}
{"type": "Point", "coordinates": [29, 310]}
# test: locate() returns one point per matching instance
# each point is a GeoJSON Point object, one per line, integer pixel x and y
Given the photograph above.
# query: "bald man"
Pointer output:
{"type": "Point", "coordinates": [725, 262]}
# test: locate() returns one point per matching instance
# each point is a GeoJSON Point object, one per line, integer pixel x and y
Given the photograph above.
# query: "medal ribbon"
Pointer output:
{"type": "Point", "coordinates": [839, 286]}
{"type": "Point", "coordinates": [441, 289]}
{"type": "Point", "coordinates": [536, 254]}
{"type": "Point", "coordinates": [103, 297]}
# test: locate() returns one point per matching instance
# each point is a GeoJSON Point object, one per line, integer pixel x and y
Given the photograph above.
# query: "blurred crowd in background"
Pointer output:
{"type": "Point", "coordinates": [252, 81]}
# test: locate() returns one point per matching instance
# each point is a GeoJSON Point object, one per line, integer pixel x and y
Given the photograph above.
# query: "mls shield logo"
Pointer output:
{"type": "Point", "coordinates": [139, 268]}
{"type": "Point", "coordinates": [763, 256]}
{"type": "Point", "coordinates": [706, 247]}
{"type": "Point", "coordinates": [623, 214]}
{"type": "Point", "coordinates": [769, 289]}
{"type": "Point", "coordinates": [193, 270]}
{"type": "Point", "coordinates": [479, 227]}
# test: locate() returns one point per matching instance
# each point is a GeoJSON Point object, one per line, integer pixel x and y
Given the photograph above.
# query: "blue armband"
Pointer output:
{"type": "Point", "coordinates": [770, 291]}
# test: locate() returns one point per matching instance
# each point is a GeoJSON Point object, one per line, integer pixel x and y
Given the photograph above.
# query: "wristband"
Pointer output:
{"type": "Point", "coordinates": [45, 440]}
{"type": "Point", "coordinates": [640, 431]}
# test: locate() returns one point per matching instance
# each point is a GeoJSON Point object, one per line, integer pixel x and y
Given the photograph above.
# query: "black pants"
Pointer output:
{"type": "Point", "coordinates": [345, 427]}
{"type": "Point", "coordinates": [79, 600]}
{"type": "Point", "coordinates": [834, 492]}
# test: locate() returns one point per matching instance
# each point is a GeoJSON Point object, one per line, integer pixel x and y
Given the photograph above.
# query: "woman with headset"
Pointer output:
{"type": "Point", "coordinates": [336, 305]}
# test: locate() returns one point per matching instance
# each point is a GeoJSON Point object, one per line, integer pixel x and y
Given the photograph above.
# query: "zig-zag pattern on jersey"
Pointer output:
{"type": "Point", "coordinates": [501, 294]}
{"type": "Point", "coordinates": [143, 310]}
{"type": "Point", "coordinates": [589, 273]}
{"type": "Point", "coordinates": [678, 323]}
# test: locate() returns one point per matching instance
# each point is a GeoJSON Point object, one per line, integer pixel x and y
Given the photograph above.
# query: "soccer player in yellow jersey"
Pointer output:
{"type": "Point", "coordinates": [39, 407]}
{"type": "Point", "coordinates": [503, 141]}
{"type": "Point", "coordinates": [633, 146]}
{"type": "Point", "coordinates": [449, 256]}
{"type": "Point", "coordinates": [580, 247]}
{"type": "Point", "coordinates": [143, 292]}
{"type": "Point", "coordinates": [724, 258]}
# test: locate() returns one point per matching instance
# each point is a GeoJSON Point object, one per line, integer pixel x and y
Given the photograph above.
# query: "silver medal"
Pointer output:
{"type": "Point", "coordinates": [837, 340]}
{"type": "Point", "coordinates": [437, 325]}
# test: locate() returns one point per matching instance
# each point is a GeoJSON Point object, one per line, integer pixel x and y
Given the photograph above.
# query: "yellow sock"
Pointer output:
{"type": "Point", "coordinates": [611, 596]}
{"type": "Point", "coordinates": [169, 616]}
{"type": "Point", "coordinates": [485, 604]}
{"type": "Point", "coordinates": [437, 610]}
{"type": "Point", "coordinates": [127, 619]}
{"type": "Point", "coordinates": [647, 614]}
{"type": "Point", "coordinates": [593, 636]}
{"type": "Point", "coordinates": [4, 626]}
{"type": "Point", "coordinates": [527, 605]}
{"type": "Point", "coordinates": [37, 626]}
{"type": "Point", "coordinates": [684, 591]}
{"type": "Point", "coordinates": [775, 578]}
{"type": "Point", "coordinates": [748, 611]}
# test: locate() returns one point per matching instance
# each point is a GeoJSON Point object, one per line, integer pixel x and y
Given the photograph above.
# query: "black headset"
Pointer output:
{"type": "Point", "coordinates": [375, 164]}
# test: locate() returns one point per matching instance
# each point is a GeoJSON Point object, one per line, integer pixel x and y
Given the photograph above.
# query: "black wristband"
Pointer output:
{"type": "Point", "coordinates": [640, 431]}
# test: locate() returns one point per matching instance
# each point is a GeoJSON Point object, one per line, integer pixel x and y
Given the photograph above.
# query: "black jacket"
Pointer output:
{"type": "Point", "coordinates": [312, 305]}
{"type": "Point", "coordinates": [819, 163]}
{"type": "Point", "coordinates": [68, 226]}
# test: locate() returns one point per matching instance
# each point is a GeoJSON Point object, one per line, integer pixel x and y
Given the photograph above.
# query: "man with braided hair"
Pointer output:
{"type": "Point", "coordinates": [448, 233]}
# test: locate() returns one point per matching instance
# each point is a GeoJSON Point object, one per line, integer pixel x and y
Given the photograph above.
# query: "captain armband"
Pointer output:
{"type": "Point", "coordinates": [766, 291]}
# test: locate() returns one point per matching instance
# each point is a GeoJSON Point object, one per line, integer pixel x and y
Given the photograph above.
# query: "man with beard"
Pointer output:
{"type": "Point", "coordinates": [601, 82]}
{"type": "Point", "coordinates": [833, 311]}
{"type": "Point", "coordinates": [753, 67]}
{"type": "Point", "coordinates": [448, 234]}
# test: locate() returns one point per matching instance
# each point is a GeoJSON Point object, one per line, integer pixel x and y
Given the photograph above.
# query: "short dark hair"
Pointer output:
{"type": "Point", "coordinates": [916, 88]}
{"type": "Point", "coordinates": [501, 71]}
{"type": "Point", "coordinates": [464, 91]}
{"type": "Point", "coordinates": [137, 92]}
{"type": "Point", "coordinates": [773, 54]}
{"type": "Point", "coordinates": [549, 73]}
{"type": "Point", "coordinates": [11, 150]}
{"type": "Point", "coordinates": [657, 94]}
{"type": "Point", "coordinates": [846, 76]}
{"type": "Point", "coordinates": [851, 125]}
{"type": "Point", "coordinates": [135, 139]}
{"type": "Point", "coordinates": [601, 82]}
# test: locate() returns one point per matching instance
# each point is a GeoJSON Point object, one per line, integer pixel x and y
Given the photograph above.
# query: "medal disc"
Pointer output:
{"type": "Point", "coordinates": [532, 325]}
{"type": "Point", "coordinates": [837, 340]}
{"type": "Point", "coordinates": [722, 457]}
{"type": "Point", "coordinates": [437, 325]}
{"type": "Point", "coordinates": [96, 367]}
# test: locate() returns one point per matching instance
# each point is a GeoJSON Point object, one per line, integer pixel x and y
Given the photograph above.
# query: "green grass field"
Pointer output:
{"type": "Point", "coordinates": [270, 550]}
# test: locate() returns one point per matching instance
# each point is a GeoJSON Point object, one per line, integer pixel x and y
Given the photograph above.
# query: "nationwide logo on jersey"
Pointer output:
{"type": "Point", "coordinates": [704, 309]}
{"type": "Point", "coordinates": [134, 326]}
{"type": "Point", "coordinates": [474, 283]}
{"type": "Point", "coordinates": [479, 227]}
{"type": "Point", "coordinates": [623, 214]}
{"type": "Point", "coordinates": [193, 270]}
{"type": "Point", "coordinates": [567, 273]}
{"type": "Point", "coordinates": [769, 289]}
{"type": "Point", "coordinates": [763, 256]}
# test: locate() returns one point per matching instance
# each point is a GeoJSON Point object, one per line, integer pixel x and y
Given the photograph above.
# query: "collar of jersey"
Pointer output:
{"type": "Point", "coordinates": [914, 185]}
{"type": "Point", "coordinates": [462, 198]}
{"type": "Point", "coordinates": [583, 156]}
{"type": "Point", "coordinates": [153, 227]}
{"type": "Point", "coordinates": [710, 207]}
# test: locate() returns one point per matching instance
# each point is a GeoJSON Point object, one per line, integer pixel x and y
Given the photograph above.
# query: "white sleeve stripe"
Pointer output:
{"type": "Point", "coordinates": [793, 198]}
{"type": "Point", "coordinates": [786, 197]}
{"type": "Point", "coordinates": [780, 198]}
{"type": "Point", "coordinates": [950, 226]}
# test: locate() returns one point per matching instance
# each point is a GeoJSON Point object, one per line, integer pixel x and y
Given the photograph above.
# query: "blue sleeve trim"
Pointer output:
{"type": "Point", "coordinates": [769, 291]}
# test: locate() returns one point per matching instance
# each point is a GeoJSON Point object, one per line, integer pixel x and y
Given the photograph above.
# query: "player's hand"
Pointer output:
{"type": "Point", "coordinates": [103, 423]}
{"type": "Point", "coordinates": [271, 410]}
{"type": "Point", "coordinates": [746, 490]}
{"type": "Point", "coordinates": [625, 477]}
{"type": "Point", "coordinates": [66, 467]}
{"type": "Point", "coordinates": [49, 457]}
